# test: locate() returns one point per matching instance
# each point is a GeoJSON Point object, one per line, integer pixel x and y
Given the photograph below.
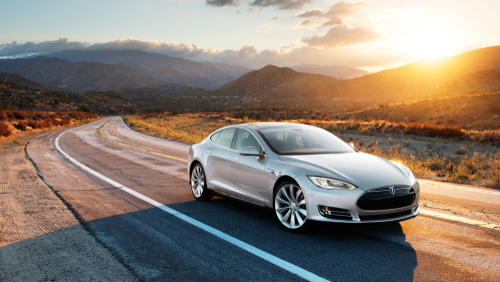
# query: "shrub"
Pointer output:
{"type": "Point", "coordinates": [5, 131]}
{"type": "Point", "coordinates": [19, 115]}
{"type": "Point", "coordinates": [34, 124]}
{"type": "Point", "coordinates": [64, 121]}
{"type": "Point", "coordinates": [433, 130]}
{"type": "Point", "coordinates": [85, 109]}
{"type": "Point", "coordinates": [45, 124]}
{"type": "Point", "coordinates": [3, 116]}
{"type": "Point", "coordinates": [20, 125]}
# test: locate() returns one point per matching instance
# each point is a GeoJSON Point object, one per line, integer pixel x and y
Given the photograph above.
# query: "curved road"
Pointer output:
{"type": "Point", "coordinates": [157, 246]}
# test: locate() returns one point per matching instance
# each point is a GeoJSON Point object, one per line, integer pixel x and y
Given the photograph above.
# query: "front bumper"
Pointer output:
{"type": "Point", "coordinates": [343, 203]}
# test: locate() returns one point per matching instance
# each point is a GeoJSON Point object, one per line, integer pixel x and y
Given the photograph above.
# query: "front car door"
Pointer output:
{"type": "Point", "coordinates": [247, 175]}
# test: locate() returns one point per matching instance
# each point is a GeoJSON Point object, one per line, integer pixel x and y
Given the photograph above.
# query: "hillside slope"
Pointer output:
{"type": "Point", "coordinates": [421, 78]}
{"type": "Point", "coordinates": [478, 112]}
{"type": "Point", "coordinates": [149, 63]}
{"type": "Point", "coordinates": [272, 81]}
{"type": "Point", "coordinates": [78, 77]}
{"type": "Point", "coordinates": [339, 72]}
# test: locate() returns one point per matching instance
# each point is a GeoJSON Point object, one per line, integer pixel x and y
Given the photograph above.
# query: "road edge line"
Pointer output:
{"type": "Point", "coordinates": [460, 219]}
{"type": "Point", "coordinates": [247, 247]}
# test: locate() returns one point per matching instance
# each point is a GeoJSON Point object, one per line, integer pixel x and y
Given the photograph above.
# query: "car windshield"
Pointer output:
{"type": "Point", "coordinates": [305, 140]}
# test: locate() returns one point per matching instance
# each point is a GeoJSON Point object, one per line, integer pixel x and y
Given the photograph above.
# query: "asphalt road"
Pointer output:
{"type": "Point", "coordinates": [156, 246]}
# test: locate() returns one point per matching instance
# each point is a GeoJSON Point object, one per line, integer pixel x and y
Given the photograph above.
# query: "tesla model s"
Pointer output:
{"type": "Point", "coordinates": [303, 173]}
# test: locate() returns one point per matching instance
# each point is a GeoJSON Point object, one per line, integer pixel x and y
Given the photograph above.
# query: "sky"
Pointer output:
{"type": "Point", "coordinates": [370, 34]}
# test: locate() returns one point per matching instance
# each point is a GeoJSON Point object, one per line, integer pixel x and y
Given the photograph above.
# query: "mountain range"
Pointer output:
{"type": "Point", "coordinates": [473, 72]}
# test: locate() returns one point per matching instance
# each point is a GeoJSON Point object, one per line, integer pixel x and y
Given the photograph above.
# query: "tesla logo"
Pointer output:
{"type": "Point", "coordinates": [391, 188]}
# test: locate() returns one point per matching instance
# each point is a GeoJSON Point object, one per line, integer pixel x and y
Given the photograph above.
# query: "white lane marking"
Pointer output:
{"type": "Point", "coordinates": [251, 249]}
{"type": "Point", "coordinates": [445, 185]}
{"type": "Point", "coordinates": [461, 219]}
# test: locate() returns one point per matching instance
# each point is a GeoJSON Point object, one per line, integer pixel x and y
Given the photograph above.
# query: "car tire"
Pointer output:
{"type": "Point", "coordinates": [290, 206]}
{"type": "Point", "coordinates": [199, 184]}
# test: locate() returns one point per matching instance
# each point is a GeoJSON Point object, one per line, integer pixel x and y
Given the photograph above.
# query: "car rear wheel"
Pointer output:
{"type": "Point", "coordinates": [290, 206]}
{"type": "Point", "coordinates": [199, 185]}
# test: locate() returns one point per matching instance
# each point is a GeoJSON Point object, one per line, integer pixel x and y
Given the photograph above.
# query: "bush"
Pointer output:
{"type": "Point", "coordinates": [5, 131]}
{"type": "Point", "coordinates": [64, 121]}
{"type": "Point", "coordinates": [433, 130]}
{"type": "Point", "coordinates": [34, 124]}
{"type": "Point", "coordinates": [45, 124]}
{"type": "Point", "coordinates": [3, 116]}
{"type": "Point", "coordinates": [85, 109]}
{"type": "Point", "coordinates": [20, 125]}
{"type": "Point", "coordinates": [20, 115]}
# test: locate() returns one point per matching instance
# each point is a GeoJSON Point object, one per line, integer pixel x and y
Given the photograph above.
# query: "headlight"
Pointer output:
{"type": "Point", "coordinates": [330, 183]}
{"type": "Point", "coordinates": [412, 178]}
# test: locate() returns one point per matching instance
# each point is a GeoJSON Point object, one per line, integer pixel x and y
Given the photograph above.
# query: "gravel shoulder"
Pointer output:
{"type": "Point", "coordinates": [44, 241]}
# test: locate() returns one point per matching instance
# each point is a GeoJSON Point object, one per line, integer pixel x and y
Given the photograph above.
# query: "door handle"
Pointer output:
{"type": "Point", "coordinates": [236, 159]}
{"type": "Point", "coordinates": [208, 151]}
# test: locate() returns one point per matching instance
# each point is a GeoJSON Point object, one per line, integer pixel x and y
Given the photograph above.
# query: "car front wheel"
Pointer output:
{"type": "Point", "coordinates": [290, 206]}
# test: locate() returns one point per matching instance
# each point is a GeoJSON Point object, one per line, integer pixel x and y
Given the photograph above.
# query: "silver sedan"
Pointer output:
{"type": "Point", "coordinates": [303, 173]}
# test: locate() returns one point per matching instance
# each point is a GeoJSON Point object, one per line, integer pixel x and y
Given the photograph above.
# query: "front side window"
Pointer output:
{"type": "Point", "coordinates": [246, 139]}
{"type": "Point", "coordinates": [303, 140]}
{"type": "Point", "coordinates": [225, 138]}
{"type": "Point", "coordinates": [214, 137]}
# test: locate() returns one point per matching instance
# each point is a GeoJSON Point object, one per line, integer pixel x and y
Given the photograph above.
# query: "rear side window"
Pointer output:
{"type": "Point", "coordinates": [214, 137]}
{"type": "Point", "coordinates": [226, 138]}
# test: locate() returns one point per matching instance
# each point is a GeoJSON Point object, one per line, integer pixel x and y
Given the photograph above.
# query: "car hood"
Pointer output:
{"type": "Point", "coordinates": [363, 170]}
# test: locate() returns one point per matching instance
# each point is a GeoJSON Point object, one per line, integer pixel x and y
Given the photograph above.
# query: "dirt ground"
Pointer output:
{"type": "Point", "coordinates": [42, 239]}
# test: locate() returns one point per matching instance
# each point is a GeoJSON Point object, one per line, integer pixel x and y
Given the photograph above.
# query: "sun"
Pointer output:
{"type": "Point", "coordinates": [431, 42]}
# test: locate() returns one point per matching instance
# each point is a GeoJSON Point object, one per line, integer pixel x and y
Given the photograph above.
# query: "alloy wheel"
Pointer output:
{"type": "Point", "coordinates": [290, 206]}
{"type": "Point", "coordinates": [197, 181]}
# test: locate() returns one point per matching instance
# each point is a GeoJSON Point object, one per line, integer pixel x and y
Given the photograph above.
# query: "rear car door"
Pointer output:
{"type": "Point", "coordinates": [217, 154]}
{"type": "Point", "coordinates": [248, 178]}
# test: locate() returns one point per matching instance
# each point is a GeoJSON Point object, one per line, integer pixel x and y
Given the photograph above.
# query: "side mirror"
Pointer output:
{"type": "Point", "coordinates": [249, 151]}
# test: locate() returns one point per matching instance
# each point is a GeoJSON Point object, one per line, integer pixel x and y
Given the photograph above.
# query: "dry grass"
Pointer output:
{"type": "Point", "coordinates": [457, 156]}
{"type": "Point", "coordinates": [16, 124]}
{"type": "Point", "coordinates": [2, 235]}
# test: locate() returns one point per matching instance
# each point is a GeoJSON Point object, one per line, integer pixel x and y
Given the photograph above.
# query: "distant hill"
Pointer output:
{"type": "Point", "coordinates": [339, 72]}
{"type": "Point", "coordinates": [478, 112]}
{"type": "Point", "coordinates": [78, 77]}
{"type": "Point", "coordinates": [155, 65]}
{"type": "Point", "coordinates": [101, 102]}
{"type": "Point", "coordinates": [235, 71]}
{"type": "Point", "coordinates": [272, 81]}
{"type": "Point", "coordinates": [24, 82]}
{"type": "Point", "coordinates": [421, 78]}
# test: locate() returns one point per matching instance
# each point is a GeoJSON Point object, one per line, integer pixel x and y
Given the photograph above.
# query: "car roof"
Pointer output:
{"type": "Point", "coordinates": [266, 125]}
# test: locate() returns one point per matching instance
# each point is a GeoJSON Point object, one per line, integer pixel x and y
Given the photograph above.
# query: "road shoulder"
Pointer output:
{"type": "Point", "coordinates": [44, 241]}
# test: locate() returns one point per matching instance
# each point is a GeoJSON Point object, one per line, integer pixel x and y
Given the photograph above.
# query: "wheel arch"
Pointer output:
{"type": "Point", "coordinates": [280, 180]}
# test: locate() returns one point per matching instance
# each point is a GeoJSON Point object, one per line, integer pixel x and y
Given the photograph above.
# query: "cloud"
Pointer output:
{"type": "Point", "coordinates": [31, 48]}
{"type": "Point", "coordinates": [342, 35]}
{"type": "Point", "coordinates": [344, 9]}
{"type": "Point", "coordinates": [275, 19]}
{"type": "Point", "coordinates": [316, 12]}
{"type": "Point", "coordinates": [250, 10]}
{"type": "Point", "coordinates": [308, 23]}
{"type": "Point", "coordinates": [281, 4]}
{"type": "Point", "coordinates": [247, 55]}
{"type": "Point", "coordinates": [221, 3]}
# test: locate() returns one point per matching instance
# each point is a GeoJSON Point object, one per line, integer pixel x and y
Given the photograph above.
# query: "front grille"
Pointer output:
{"type": "Point", "coordinates": [334, 213]}
{"type": "Point", "coordinates": [384, 199]}
{"type": "Point", "coordinates": [384, 216]}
